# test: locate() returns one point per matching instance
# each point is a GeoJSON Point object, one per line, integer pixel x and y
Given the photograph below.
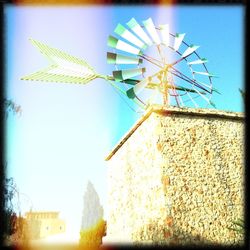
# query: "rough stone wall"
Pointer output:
{"type": "Point", "coordinates": [178, 180]}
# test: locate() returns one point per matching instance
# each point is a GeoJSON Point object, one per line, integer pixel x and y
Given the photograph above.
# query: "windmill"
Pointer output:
{"type": "Point", "coordinates": [150, 65]}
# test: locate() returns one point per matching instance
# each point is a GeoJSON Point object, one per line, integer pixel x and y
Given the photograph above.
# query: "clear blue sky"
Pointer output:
{"type": "Point", "coordinates": [66, 130]}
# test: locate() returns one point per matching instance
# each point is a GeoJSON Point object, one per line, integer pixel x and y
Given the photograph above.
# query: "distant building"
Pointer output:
{"type": "Point", "coordinates": [43, 224]}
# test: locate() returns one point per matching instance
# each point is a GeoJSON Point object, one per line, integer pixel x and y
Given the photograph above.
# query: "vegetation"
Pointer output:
{"type": "Point", "coordinates": [14, 225]}
{"type": "Point", "coordinates": [238, 226]}
{"type": "Point", "coordinates": [93, 226]}
{"type": "Point", "coordinates": [243, 94]}
{"type": "Point", "coordinates": [9, 192]}
{"type": "Point", "coordinates": [10, 106]}
{"type": "Point", "coordinates": [92, 237]}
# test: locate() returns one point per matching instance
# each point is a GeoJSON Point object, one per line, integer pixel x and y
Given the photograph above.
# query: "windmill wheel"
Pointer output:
{"type": "Point", "coordinates": [155, 66]}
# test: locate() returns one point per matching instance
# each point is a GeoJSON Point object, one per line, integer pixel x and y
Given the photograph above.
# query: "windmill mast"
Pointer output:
{"type": "Point", "coordinates": [164, 84]}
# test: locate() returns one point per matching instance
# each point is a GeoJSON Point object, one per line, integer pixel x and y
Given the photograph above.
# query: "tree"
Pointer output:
{"type": "Point", "coordinates": [93, 226]}
{"type": "Point", "coordinates": [10, 106]}
{"type": "Point", "coordinates": [15, 226]}
{"type": "Point", "coordinates": [12, 223]}
{"type": "Point", "coordinates": [11, 205]}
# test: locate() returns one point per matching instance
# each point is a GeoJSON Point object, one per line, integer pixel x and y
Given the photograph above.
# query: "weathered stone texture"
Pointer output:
{"type": "Point", "coordinates": [178, 179]}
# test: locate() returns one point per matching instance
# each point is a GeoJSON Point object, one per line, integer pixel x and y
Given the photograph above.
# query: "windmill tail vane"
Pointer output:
{"type": "Point", "coordinates": [130, 77]}
{"type": "Point", "coordinates": [63, 67]}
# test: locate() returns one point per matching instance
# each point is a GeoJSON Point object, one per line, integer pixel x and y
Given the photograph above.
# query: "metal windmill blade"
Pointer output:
{"type": "Point", "coordinates": [182, 86]}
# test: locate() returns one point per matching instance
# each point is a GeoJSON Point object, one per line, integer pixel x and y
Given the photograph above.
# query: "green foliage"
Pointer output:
{"type": "Point", "coordinates": [238, 226]}
{"type": "Point", "coordinates": [242, 93]}
{"type": "Point", "coordinates": [10, 106]}
{"type": "Point", "coordinates": [93, 236]}
{"type": "Point", "coordinates": [9, 192]}
{"type": "Point", "coordinates": [14, 226]}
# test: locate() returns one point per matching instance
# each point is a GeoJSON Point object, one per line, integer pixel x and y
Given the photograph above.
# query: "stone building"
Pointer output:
{"type": "Point", "coordinates": [43, 224]}
{"type": "Point", "coordinates": [177, 178]}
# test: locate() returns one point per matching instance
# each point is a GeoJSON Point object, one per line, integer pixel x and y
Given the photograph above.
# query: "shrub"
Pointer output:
{"type": "Point", "coordinates": [238, 226]}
